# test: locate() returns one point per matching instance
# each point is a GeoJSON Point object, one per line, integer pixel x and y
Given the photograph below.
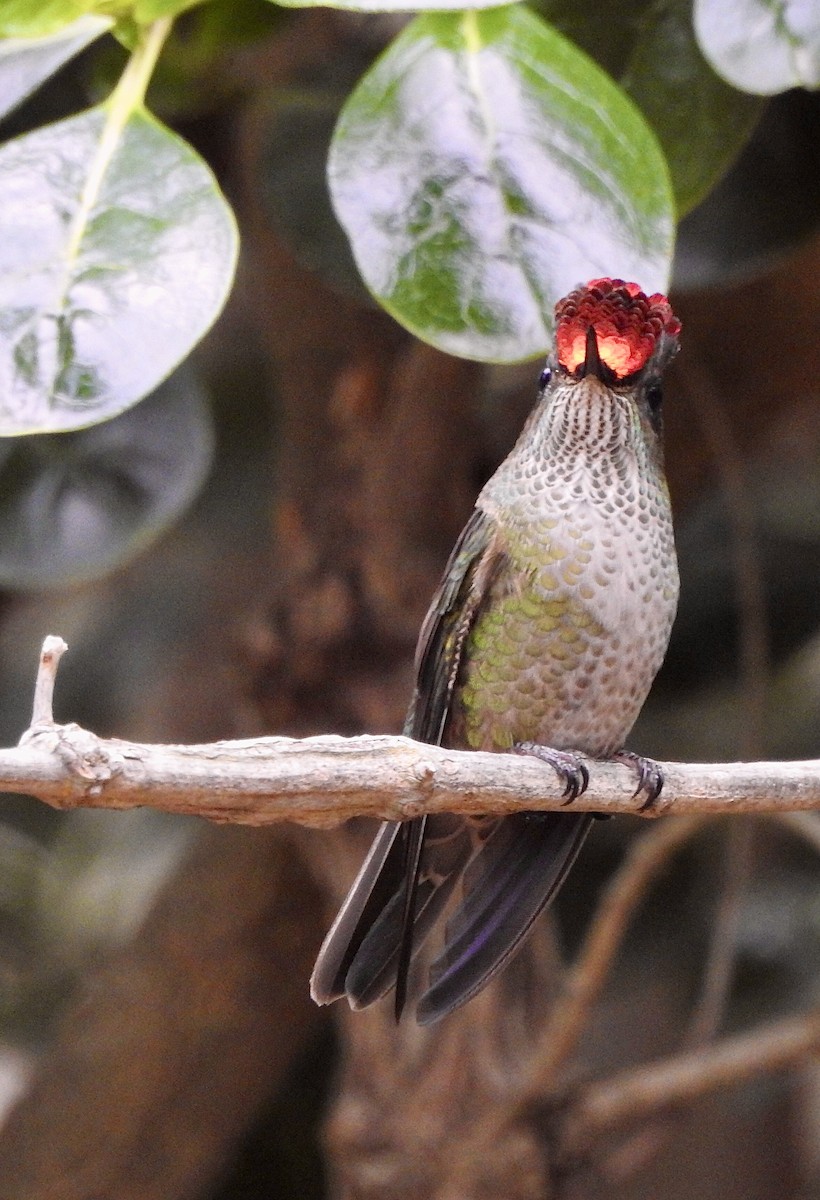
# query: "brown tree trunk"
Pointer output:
{"type": "Point", "coordinates": [174, 1043]}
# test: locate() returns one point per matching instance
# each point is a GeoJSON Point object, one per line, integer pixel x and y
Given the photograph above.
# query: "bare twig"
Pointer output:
{"type": "Point", "coordinates": [53, 650]}
{"type": "Point", "coordinates": [543, 1081]}
{"type": "Point", "coordinates": [647, 857]}
{"type": "Point", "coordinates": [639, 1091]}
{"type": "Point", "coordinates": [322, 781]}
{"type": "Point", "coordinates": [720, 960]}
{"type": "Point", "coordinates": [707, 1014]}
{"type": "Point", "coordinates": [667, 1083]}
{"type": "Point", "coordinates": [747, 569]}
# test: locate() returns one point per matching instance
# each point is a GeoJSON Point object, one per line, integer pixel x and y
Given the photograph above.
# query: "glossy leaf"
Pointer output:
{"type": "Point", "coordinates": [761, 46]}
{"type": "Point", "coordinates": [75, 505]}
{"type": "Point", "coordinates": [117, 251]}
{"type": "Point", "coordinates": [701, 122]}
{"type": "Point", "coordinates": [482, 168]}
{"type": "Point", "coordinates": [25, 63]}
{"type": "Point", "coordinates": [40, 18]}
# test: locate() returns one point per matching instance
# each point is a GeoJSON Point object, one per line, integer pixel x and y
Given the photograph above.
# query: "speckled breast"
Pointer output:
{"type": "Point", "coordinates": [566, 645]}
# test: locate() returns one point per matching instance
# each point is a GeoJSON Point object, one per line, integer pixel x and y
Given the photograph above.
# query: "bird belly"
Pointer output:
{"type": "Point", "coordinates": [551, 666]}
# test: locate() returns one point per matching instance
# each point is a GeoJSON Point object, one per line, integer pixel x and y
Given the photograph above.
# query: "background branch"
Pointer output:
{"type": "Point", "coordinates": [635, 1093]}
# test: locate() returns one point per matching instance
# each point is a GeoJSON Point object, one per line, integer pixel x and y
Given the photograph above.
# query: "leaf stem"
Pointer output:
{"type": "Point", "coordinates": [128, 95]}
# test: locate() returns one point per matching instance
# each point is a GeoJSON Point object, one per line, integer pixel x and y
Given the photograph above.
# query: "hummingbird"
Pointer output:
{"type": "Point", "coordinates": [549, 625]}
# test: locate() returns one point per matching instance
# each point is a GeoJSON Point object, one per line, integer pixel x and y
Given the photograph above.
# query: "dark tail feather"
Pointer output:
{"type": "Point", "coordinates": [517, 872]}
{"type": "Point", "coordinates": [378, 881]}
{"type": "Point", "coordinates": [375, 966]}
{"type": "Point", "coordinates": [413, 834]}
{"type": "Point", "coordinates": [361, 955]}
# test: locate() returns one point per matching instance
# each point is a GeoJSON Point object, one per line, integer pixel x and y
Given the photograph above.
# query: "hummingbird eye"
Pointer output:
{"type": "Point", "coordinates": [654, 397]}
{"type": "Point", "coordinates": [544, 378]}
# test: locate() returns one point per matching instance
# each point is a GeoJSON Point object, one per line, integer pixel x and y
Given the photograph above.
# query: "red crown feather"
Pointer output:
{"type": "Point", "coordinates": [627, 325]}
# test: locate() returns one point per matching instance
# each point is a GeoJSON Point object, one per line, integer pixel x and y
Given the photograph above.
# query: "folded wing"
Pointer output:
{"type": "Point", "coordinates": [494, 874]}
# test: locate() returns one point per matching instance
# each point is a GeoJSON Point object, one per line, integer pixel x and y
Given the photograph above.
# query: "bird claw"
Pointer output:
{"type": "Point", "coordinates": [650, 776]}
{"type": "Point", "coordinates": [567, 766]}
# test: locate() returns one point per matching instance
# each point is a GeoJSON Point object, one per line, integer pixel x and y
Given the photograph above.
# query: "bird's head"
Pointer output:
{"type": "Point", "coordinates": [613, 330]}
{"type": "Point", "coordinates": [612, 343]}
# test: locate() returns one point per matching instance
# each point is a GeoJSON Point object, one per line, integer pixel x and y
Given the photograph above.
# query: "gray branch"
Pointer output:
{"type": "Point", "coordinates": [322, 781]}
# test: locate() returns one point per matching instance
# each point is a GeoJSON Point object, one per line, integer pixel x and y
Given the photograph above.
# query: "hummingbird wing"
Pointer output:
{"type": "Point", "coordinates": [412, 867]}
{"type": "Point", "coordinates": [476, 560]}
{"type": "Point", "coordinates": [508, 868]}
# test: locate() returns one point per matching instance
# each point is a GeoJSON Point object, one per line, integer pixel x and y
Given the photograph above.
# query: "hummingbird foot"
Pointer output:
{"type": "Point", "coordinates": [650, 775]}
{"type": "Point", "coordinates": [567, 766]}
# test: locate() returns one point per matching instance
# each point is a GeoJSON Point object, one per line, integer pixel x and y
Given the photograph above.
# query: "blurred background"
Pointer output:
{"type": "Point", "coordinates": [156, 1036]}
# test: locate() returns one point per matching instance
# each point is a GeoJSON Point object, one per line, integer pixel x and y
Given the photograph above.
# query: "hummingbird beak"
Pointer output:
{"type": "Point", "coordinates": [592, 364]}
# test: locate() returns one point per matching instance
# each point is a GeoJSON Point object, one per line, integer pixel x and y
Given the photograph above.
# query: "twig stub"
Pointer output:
{"type": "Point", "coordinates": [42, 712]}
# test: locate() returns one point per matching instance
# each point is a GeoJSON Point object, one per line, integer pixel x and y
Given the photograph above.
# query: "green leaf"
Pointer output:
{"type": "Point", "coordinates": [761, 46]}
{"type": "Point", "coordinates": [482, 168]}
{"type": "Point", "coordinates": [75, 505]}
{"type": "Point", "coordinates": [25, 63]}
{"type": "Point", "coordinates": [117, 251]}
{"type": "Point", "coordinates": [701, 122]}
{"type": "Point", "coordinates": [39, 18]}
